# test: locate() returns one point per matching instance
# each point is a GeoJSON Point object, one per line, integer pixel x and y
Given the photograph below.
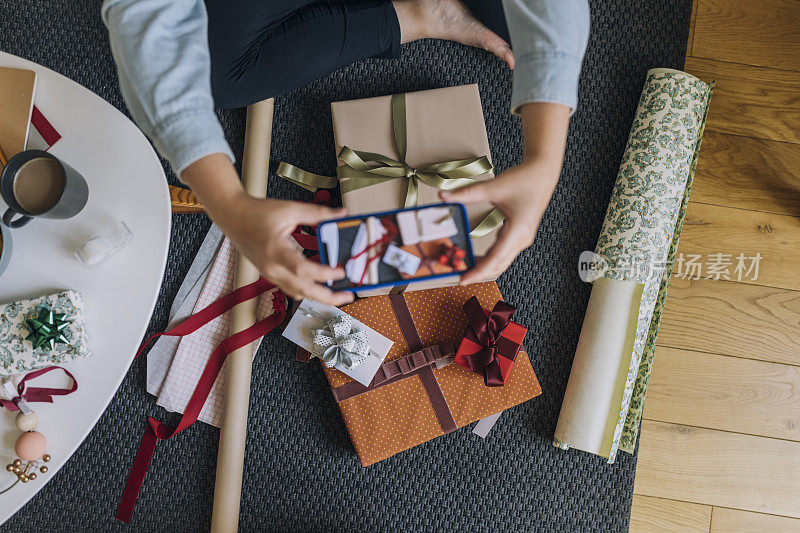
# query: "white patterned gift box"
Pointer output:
{"type": "Point", "coordinates": [17, 352]}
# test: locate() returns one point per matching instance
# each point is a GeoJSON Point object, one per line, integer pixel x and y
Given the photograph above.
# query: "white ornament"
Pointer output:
{"type": "Point", "coordinates": [27, 422]}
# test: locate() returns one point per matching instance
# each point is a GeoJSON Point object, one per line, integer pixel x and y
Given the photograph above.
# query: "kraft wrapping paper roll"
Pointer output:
{"type": "Point", "coordinates": [605, 394]}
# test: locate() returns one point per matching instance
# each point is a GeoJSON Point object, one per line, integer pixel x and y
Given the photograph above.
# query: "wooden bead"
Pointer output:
{"type": "Point", "coordinates": [27, 422]}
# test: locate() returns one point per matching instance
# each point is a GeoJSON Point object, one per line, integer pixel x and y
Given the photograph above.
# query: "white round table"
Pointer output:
{"type": "Point", "coordinates": [126, 182]}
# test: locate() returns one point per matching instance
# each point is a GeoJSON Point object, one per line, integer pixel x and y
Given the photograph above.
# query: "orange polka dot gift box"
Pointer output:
{"type": "Point", "coordinates": [417, 395]}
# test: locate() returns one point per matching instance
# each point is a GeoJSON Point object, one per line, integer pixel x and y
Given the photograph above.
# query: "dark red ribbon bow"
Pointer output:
{"type": "Point", "coordinates": [38, 394]}
{"type": "Point", "coordinates": [486, 330]}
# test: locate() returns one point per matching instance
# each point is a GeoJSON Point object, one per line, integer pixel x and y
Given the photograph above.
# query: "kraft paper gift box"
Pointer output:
{"type": "Point", "coordinates": [441, 125]}
{"type": "Point", "coordinates": [411, 401]}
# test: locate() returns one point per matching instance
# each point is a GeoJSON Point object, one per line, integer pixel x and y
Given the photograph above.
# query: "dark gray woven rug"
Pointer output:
{"type": "Point", "coordinates": [302, 473]}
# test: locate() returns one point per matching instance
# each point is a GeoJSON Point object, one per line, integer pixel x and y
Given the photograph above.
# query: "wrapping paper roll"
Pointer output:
{"type": "Point", "coordinates": [605, 394]}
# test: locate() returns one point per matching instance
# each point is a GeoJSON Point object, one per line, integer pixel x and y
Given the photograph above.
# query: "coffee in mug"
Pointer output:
{"type": "Point", "coordinates": [38, 185]}
{"type": "Point", "coordinates": [35, 183]}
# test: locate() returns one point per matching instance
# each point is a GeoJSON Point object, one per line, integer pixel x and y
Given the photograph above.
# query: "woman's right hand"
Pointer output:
{"type": "Point", "coordinates": [261, 229]}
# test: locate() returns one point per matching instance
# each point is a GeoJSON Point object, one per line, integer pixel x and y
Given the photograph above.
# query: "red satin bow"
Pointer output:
{"type": "Point", "coordinates": [38, 394]}
{"type": "Point", "coordinates": [486, 331]}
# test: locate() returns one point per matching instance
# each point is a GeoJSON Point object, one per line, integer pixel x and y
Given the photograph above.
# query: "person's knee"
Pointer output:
{"type": "Point", "coordinates": [240, 81]}
{"type": "Point", "coordinates": [226, 92]}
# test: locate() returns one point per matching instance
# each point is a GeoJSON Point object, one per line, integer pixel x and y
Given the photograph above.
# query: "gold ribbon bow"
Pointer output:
{"type": "Point", "coordinates": [363, 169]}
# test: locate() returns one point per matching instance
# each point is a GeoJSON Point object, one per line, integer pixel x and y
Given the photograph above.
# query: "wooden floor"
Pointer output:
{"type": "Point", "coordinates": [720, 443]}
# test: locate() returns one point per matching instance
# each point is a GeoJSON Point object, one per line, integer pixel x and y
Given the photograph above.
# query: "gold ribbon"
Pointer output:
{"type": "Point", "coordinates": [307, 180]}
{"type": "Point", "coordinates": [363, 169]}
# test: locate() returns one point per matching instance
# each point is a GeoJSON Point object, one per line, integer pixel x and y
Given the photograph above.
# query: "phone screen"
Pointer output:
{"type": "Point", "coordinates": [397, 247]}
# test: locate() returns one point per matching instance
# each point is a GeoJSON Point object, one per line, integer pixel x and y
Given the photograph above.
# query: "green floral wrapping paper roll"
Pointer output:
{"type": "Point", "coordinates": [640, 233]}
{"type": "Point", "coordinates": [62, 326]}
{"type": "Point", "coordinates": [690, 98]}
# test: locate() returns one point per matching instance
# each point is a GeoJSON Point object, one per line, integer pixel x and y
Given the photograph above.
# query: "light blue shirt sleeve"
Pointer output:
{"type": "Point", "coordinates": [164, 66]}
{"type": "Point", "coordinates": [549, 38]}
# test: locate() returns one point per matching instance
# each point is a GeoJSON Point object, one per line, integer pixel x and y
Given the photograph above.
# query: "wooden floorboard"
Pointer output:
{"type": "Point", "coordinates": [721, 235]}
{"type": "Point", "coordinates": [690, 40]}
{"type": "Point", "coordinates": [657, 515]}
{"type": "Point", "coordinates": [719, 468]}
{"type": "Point", "coordinates": [733, 520]}
{"type": "Point", "coordinates": [719, 448]}
{"type": "Point", "coordinates": [732, 319]}
{"type": "Point", "coordinates": [765, 32]}
{"type": "Point", "coordinates": [752, 101]}
{"type": "Point", "coordinates": [726, 393]}
{"type": "Point", "coordinates": [747, 173]}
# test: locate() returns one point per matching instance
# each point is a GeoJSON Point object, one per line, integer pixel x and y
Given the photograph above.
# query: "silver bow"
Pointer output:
{"type": "Point", "coordinates": [338, 344]}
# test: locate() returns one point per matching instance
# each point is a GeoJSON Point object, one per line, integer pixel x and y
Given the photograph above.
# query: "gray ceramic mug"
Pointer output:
{"type": "Point", "coordinates": [6, 249]}
{"type": "Point", "coordinates": [37, 184]}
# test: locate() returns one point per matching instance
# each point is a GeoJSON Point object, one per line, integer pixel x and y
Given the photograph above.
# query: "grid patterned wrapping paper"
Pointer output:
{"type": "Point", "coordinates": [195, 349]}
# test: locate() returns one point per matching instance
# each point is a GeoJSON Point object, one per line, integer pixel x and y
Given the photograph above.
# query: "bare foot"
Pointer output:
{"type": "Point", "coordinates": [450, 20]}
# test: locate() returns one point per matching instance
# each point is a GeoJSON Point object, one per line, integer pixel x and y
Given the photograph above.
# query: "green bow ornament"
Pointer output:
{"type": "Point", "coordinates": [46, 329]}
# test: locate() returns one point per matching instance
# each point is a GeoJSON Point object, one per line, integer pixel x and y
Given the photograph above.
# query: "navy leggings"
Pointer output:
{"type": "Point", "coordinates": [264, 48]}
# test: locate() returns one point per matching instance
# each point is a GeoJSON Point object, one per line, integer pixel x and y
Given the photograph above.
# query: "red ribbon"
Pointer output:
{"type": "Point", "coordinates": [156, 430]}
{"type": "Point", "coordinates": [38, 394]}
{"type": "Point", "coordinates": [486, 330]}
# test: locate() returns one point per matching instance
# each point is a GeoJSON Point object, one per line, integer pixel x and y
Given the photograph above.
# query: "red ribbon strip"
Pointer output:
{"type": "Point", "coordinates": [45, 129]}
{"type": "Point", "coordinates": [429, 382]}
{"type": "Point", "coordinates": [486, 331]}
{"type": "Point", "coordinates": [38, 394]}
{"type": "Point", "coordinates": [156, 430]}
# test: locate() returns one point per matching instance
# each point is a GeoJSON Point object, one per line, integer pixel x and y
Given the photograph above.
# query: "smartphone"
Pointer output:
{"type": "Point", "coordinates": [397, 247]}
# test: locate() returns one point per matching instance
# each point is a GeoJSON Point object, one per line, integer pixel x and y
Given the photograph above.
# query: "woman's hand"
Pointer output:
{"type": "Point", "coordinates": [261, 229]}
{"type": "Point", "coordinates": [521, 193]}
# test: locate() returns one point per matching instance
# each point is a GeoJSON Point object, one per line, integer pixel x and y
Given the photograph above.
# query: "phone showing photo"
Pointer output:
{"type": "Point", "coordinates": [397, 247]}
